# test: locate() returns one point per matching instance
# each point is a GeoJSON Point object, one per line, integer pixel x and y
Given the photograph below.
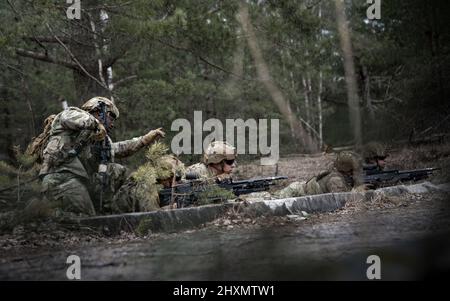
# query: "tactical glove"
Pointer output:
{"type": "Point", "coordinates": [100, 134]}
{"type": "Point", "coordinates": [152, 136]}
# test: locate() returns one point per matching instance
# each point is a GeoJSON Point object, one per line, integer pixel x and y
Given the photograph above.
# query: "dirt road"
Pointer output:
{"type": "Point", "coordinates": [411, 237]}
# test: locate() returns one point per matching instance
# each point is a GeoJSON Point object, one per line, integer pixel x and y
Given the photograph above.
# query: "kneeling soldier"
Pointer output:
{"type": "Point", "coordinates": [78, 172]}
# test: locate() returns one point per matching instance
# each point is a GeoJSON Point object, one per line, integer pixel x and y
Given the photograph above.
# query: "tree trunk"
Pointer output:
{"type": "Point", "coordinates": [310, 96]}
{"type": "Point", "coordinates": [435, 49]}
{"type": "Point", "coordinates": [319, 109]}
{"type": "Point", "coordinates": [349, 68]}
{"type": "Point", "coordinates": [368, 98]}
{"type": "Point", "coordinates": [233, 84]}
{"type": "Point", "coordinates": [306, 96]}
{"type": "Point", "coordinates": [309, 143]}
{"type": "Point", "coordinates": [7, 146]}
{"type": "Point", "coordinates": [27, 96]}
{"type": "Point", "coordinates": [89, 82]}
{"type": "Point", "coordinates": [319, 92]}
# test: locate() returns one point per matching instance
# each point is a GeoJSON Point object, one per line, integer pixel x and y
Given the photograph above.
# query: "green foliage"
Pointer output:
{"type": "Point", "coordinates": [181, 55]}
{"type": "Point", "coordinates": [145, 227]}
{"type": "Point", "coordinates": [147, 175]}
{"type": "Point", "coordinates": [25, 160]}
{"type": "Point", "coordinates": [154, 168]}
{"type": "Point", "coordinates": [214, 194]}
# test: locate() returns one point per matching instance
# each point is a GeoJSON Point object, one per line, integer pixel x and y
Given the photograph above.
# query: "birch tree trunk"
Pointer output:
{"type": "Point", "coordinates": [319, 92]}
{"type": "Point", "coordinates": [306, 96]}
{"type": "Point", "coordinates": [319, 109]}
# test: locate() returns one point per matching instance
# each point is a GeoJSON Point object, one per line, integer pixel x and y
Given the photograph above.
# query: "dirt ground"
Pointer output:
{"type": "Point", "coordinates": [303, 167]}
{"type": "Point", "coordinates": [410, 234]}
{"type": "Point", "coordinates": [37, 236]}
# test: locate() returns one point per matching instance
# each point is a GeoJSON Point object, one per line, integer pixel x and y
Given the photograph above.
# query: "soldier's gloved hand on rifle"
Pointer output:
{"type": "Point", "coordinates": [100, 133]}
{"type": "Point", "coordinates": [223, 177]}
{"type": "Point", "coordinates": [152, 136]}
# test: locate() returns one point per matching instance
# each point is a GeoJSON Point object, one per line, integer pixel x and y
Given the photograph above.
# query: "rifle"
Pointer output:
{"type": "Point", "coordinates": [188, 193]}
{"type": "Point", "coordinates": [394, 176]}
{"type": "Point", "coordinates": [371, 169]}
{"type": "Point", "coordinates": [103, 148]}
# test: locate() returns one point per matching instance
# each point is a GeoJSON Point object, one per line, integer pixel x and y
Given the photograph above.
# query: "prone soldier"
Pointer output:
{"type": "Point", "coordinates": [345, 175]}
{"type": "Point", "coordinates": [219, 161]}
{"type": "Point", "coordinates": [141, 190]}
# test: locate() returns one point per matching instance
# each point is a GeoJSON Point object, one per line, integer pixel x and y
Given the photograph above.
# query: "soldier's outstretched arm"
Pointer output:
{"type": "Point", "coordinates": [129, 147]}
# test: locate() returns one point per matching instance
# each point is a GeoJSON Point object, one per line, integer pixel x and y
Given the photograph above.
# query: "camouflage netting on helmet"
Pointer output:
{"type": "Point", "coordinates": [347, 161]}
{"type": "Point", "coordinates": [95, 102]}
{"type": "Point", "coordinates": [159, 166]}
{"type": "Point", "coordinates": [373, 150]}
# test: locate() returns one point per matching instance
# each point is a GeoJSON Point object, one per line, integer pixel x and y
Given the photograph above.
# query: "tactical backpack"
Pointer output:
{"type": "Point", "coordinates": [37, 145]}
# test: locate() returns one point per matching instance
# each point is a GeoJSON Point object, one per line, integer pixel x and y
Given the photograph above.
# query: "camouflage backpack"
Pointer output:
{"type": "Point", "coordinates": [37, 145]}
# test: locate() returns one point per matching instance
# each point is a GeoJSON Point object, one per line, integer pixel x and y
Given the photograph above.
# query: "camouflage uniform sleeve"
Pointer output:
{"type": "Point", "coordinates": [127, 147]}
{"type": "Point", "coordinates": [78, 120]}
{"type": "Point", "coordinates": [336, 184]}
{"type": "Point", "coordinates": [200, 169]}
{"type": "Point", "coordinates": [295, 189]}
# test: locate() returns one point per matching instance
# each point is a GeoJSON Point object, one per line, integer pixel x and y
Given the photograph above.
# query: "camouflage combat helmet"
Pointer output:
{"type": "Point", "coordinates": [172, 164]}
{"type": "Point", "coordinates": [95, 102]}
{"type": "Point", "coordinates": [347, 161]}
{"type": "Point", "coordinates": [218, 151]}
{"type": "Point", "coordinates": [374, 150]}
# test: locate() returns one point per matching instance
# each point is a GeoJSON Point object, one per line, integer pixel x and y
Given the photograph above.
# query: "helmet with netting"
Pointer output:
{"type": "Point", "coordinates": [95, 103]}
{"type": "Point", "coordinates": [374, 150]}
{"type": "Point", "coordinates": [347, 161]}
{"type": "Point", "coordinates": [217, 151]}
{"type": "Point", "coordinates": [173, 165]}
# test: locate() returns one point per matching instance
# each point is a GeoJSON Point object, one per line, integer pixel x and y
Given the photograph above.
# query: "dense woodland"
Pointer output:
{"type": "Point", "coordinates": [162, 59]}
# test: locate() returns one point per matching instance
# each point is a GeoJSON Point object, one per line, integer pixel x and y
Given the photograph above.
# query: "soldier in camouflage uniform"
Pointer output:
{"type": "Point", "coordinates": [140, 192]}
{"type": "Point", "coordinates": [71, 160]}
{"type": "Point", "coordinates": [345, 175]}
{"type": "Point", "coordinates": [295, 189]}
{"type": "Point", "coordinates": [219, 161]}
{"type": "Point", "coordinates": [375, 154]}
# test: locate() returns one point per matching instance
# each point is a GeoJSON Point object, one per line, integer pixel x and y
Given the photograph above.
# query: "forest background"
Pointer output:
{"type": "Point", "coordinates": [160, 60]}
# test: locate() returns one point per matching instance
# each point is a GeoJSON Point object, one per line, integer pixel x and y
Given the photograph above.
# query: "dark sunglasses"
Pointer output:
{"type": "Point", "coordinates": [380, 158]}
{"type": "Point", "coordinates": [112, 115]}
{"type": "Point", "coordinates": [229, 162]}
